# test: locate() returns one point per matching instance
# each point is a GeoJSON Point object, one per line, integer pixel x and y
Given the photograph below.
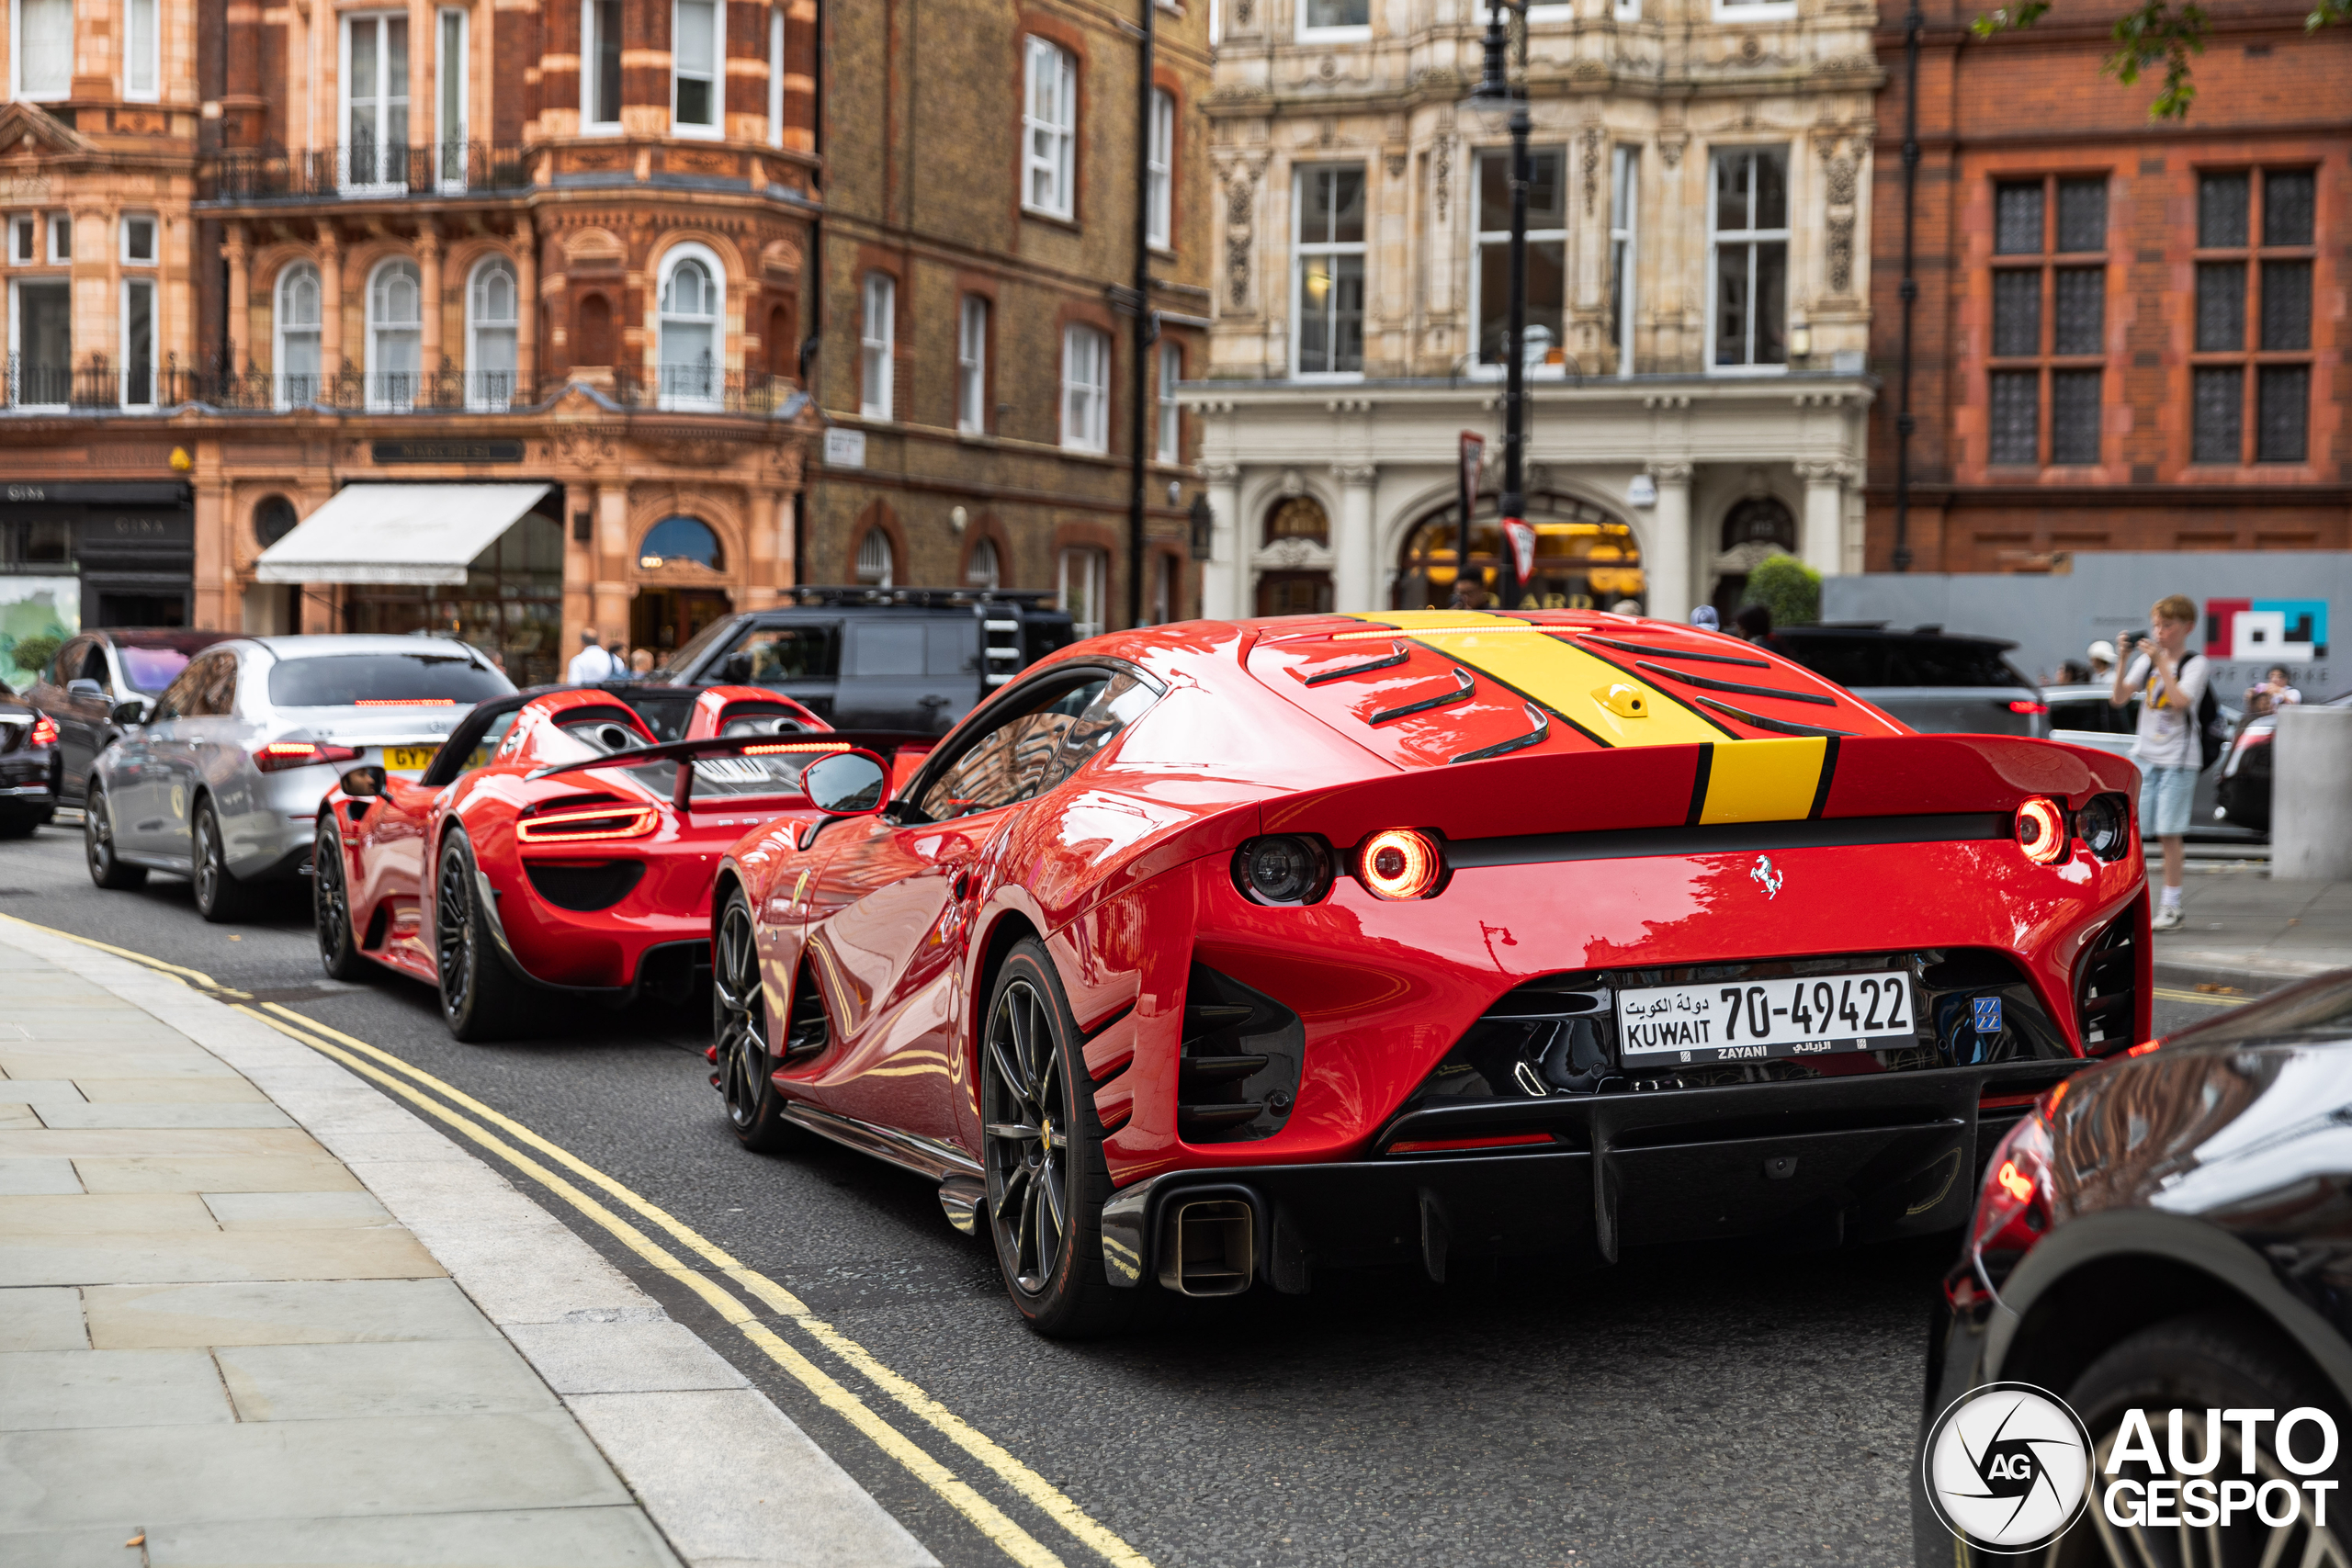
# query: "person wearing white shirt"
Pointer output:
{"type": "Point", "coordinates": [2169, 682]}
{"type": "Point", "coordinates": [592, 663]}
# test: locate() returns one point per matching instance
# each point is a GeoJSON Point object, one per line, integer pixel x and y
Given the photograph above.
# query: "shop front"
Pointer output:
{"type": "Point", "coordinates": [130, 546]}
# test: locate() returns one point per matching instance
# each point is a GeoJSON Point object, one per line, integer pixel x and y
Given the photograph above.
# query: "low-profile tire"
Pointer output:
{"type": "Point", "coordinates": [480, 998]}
{"type": "Point", "coordinates": [739, 1018]}
{"type": "Point", "coordinates": [1041, 1148]}
{"type": "Point", "coordinates": [220, 896]}
{"type": "Point", "coordinates": [339, 953]}
{"type": "Point", "coordinates": [2215, 1360]}
{"type": "Point", "coordinates": [107, 868]}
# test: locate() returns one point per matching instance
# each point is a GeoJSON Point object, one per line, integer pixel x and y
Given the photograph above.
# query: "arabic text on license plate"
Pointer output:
{"type": "Point", "coordinates": [1809, 1015]}
{"type": "Point", "coordinates": [408, 759]}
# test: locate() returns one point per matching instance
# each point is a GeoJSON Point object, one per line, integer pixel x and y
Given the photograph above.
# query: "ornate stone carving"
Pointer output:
{"type": "Point", "coordinates": [1293, 483]}
{"type": "Point", "coordinates": [1355, 473]}
{"type": "Point", "coordinates": [1240, 233]}
{"type": "Point", "coordinates": [1668, 473]}
{"type": "Point", "coordinates": [1219, 473]}
{"type": "Point", "coordinates": [1396, 165]}
{"type": "Point", "coordinates": [1591, 166]}
{"type": "Point", "coordinates": [1841, 155]}
{"type": "Point", "coordinates": [1671, 144]}
{"type": "Point", "coordinates": [692, 451]}
{"type": "Point", "coordinates": [1841, 254]}
{"type": "Point", "coordinates": [1294, 554]}
{"type": "Point", "coordinates": [1442, 174]}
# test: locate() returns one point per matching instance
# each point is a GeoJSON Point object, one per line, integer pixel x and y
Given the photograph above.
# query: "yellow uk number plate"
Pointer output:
{"type": "Point", "coordinates": [408, 759]}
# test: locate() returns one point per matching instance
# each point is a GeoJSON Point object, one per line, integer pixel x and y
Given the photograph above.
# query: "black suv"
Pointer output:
{"type": "Point", "coordinates": [1937, 681]}
{"type": "Point", "coordinates": [915, 659]}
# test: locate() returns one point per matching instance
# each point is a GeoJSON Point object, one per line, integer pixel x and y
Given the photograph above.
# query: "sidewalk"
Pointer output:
{"type": "Point", "coordinates": [2242, 930]}
{"type": "Point", "coordinates": [253, 1312]}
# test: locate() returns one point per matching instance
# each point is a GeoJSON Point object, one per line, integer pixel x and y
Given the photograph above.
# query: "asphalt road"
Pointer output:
{"type": "Point", "coordinates": [1715, 1405]}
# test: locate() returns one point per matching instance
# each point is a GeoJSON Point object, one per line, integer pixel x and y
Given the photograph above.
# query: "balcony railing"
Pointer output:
{"type": "Point", "coordinates": [96, 383]}
{"type": "Point", "coordinates": [364, 171]}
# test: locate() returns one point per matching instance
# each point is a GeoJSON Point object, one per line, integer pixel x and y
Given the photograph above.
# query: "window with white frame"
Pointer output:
{"type": "Point", "coordinates": [142, 61]}
{"type": "Point", "coordinates": [1547, 251]}
{"type": "Point", "coordinates": [40, 342]}
{"type": "Point", "coordinates": [697, 47]}
{"type": "Point", "coordinates": [449, 98]}
{"type": "Point", "coordinates": [1086, 389]}
{"type": "Point", "coordinates": [1327, 274]}
{"type": "Point", "coordinates": [775, 77]}
{"type": "Point", "coordinates": [61, 238]}
{"type": "Point", "coordinates": [138, 239]}
{"type": "Point", "coordinates": [1747, 220]}
{"type": "Point", "coordinates": [687, 358]}
{"type": "Point", "coordinates": [1084, 578]}
{"type": "Point", "coordinates": [877, 562]}
{"type": "Point", "coordinates": [1172, 417]}
{"type": "Point", "coordinates": [1754, 10]}
{"type": "Point", "coordinates": [295, 318]}
{"type": "Point", "coordinates": [1160, 170]}
{"type": "Point", "coordinates": [395, 334]}
{"type": "Point", "coordinates": [600, 64]}
{"type": "Point", "coordinates": [1334, 20]}
{"type": "Point", "coordinates": [24, 239]}
{"type": "Point", "coordinates": [972, 365]}
{"type": "Point", "coordinates": [137, 339]}
{"type": "Point", "coordinates": [1049, 130]}
{"type": "Point", "coordinates": [981, 567]}
{"type": "Point", "coordinates": [1627, 10]}
{"type": "Point", "coordinates": [1624, 213]}
{"type": "Point", "coordinates": [375, 99]}
{"type": "Point", "coordinates": [491, 323]}
{"type": "Point", "coordinates": [878, 331]}
{"type": "Point", "coordinates": [41, 63]}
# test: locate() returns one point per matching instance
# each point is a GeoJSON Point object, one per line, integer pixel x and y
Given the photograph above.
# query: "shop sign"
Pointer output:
{"type": "Point", "coordinates": [449, 451]}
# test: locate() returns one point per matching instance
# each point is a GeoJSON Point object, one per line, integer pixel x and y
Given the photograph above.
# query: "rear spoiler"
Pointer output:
{"type": "Point", "coordinates": [689, 752]}
{"type": "Point", "coordinates": [1864, 783]}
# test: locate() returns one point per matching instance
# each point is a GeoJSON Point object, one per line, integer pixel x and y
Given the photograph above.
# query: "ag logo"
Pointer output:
{"type": "Point", "coordinates": [2007, 1468]}
{"type": "Point", "coordinates": [1764, 877]}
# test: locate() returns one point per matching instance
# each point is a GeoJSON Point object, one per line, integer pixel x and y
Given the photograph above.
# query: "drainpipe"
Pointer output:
{"type": "Point", "coordinates": [1913, 25]}
{"type": "Point", "coordinates": [1146, 322]}
{"type": "Point", "coordinates": [812, 341]}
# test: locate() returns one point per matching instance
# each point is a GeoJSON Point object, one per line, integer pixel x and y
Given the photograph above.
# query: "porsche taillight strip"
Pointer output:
{"type": "Point", "coordinates": [1730, 837]}
{"type": "Point", "coordinates": [771, 751]}
{"type": "Point", "coordinates": [587, 824]}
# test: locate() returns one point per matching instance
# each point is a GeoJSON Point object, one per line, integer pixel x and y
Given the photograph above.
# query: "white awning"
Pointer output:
{"type": "Point", "coordinates": [397, 534]}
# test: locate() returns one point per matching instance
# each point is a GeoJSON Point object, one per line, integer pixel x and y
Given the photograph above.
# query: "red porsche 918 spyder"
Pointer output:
{"type": "Point", "coordinates": [553, 842]}
{"type": "Point", "coordinates": [1212, 953]}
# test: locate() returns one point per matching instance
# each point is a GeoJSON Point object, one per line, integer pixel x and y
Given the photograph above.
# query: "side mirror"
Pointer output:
{"type": "Point", "coordinates": [83, 686]}
{"type": "Point", "coordinates": [847, 784]}
{"type": "Point", "coordinates": [364, 782]}
{"type": "Point", "coordinates": [130, 713]}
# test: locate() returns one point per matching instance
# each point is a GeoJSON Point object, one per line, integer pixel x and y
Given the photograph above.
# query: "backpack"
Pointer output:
{"type": "Point", "coordinates": [2210, 740]}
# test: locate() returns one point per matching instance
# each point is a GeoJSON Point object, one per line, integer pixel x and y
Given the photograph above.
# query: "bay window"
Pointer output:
{"type": "Point", "coordinates": [600, 64]}
{"type": "Point", "coordinates": [142, 66]}
{"type": "Point", "coordinates": [698, 49]}
{"type": "Point", "coordinates": [692, 306]}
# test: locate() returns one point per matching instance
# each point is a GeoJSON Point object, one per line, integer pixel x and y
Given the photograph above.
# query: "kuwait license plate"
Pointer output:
{"type": "Point", "coordinates": [1800, 1016]}
{"type": "Point", "coordinates": [408, 759]}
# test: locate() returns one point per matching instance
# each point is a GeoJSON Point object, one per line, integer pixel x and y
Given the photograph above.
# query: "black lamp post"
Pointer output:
{"type": "Point", "coordinates": [1494, 90]}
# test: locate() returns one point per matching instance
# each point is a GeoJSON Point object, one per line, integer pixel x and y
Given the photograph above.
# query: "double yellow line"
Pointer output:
{"type": "Point", "coordinates": [477, 1120]}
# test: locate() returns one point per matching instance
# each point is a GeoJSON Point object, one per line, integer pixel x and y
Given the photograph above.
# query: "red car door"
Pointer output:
{"type": "Point", "coordinates": [393, 860]}
{"type": "Point", "coordinates": [890, 912]}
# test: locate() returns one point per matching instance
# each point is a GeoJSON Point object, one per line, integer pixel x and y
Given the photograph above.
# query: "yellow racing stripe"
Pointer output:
{"type": "Point", "coordinates": [1560, 675]}
{"type": "Point", "coordinates": [1763, 781]}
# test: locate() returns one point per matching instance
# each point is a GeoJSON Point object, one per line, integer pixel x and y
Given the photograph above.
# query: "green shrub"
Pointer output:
{"type": "Point", "coordinates": [33, 653]}
{"type": "Point", "coordinates": [1788, 588]}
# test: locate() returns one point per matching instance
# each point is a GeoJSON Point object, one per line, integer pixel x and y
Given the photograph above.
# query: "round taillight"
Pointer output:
{"type": "Point", "coordinates": [1401, 863]}
{"type": "Point", "coordinates": [1283, 868]}
{"type": "Point", "coordinates": [2042, 830]}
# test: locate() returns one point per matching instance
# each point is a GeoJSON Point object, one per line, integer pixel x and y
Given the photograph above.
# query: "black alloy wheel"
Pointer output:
{"type": "Point", "coordinates": [1041, 1148]}
{"type": "Point", "coordinates": [330, 907]}
{"type": "Point", "coordinates": [219, 895]}
{"type": "Point", "coordinates": [738, 1028]}
{"type": "Point", "coordinates": [480, 998]}
{"type": "Point", "coordinates": [106, 868]}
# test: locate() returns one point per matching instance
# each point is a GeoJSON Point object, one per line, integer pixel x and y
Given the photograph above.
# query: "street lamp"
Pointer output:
{"type": "Point", "coordinates": [1494, 93]}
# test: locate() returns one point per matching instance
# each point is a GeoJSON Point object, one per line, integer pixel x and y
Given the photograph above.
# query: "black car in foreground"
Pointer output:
{"type": "Point", "coordinates": [2172, 1230]}
{"type": "Point", "coordinates": [29, 766]}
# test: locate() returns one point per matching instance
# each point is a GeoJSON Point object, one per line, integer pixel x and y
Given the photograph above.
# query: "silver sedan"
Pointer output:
{"type": "Point", "coordinates": [222, 784]}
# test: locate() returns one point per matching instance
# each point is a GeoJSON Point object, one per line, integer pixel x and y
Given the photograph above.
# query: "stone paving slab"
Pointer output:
{"type": "Point", "coordinates": [49, 1390]}
{"type": "Point", "coordinates": [82, 1113]}
{"type": "Point", "coordinates": [41, 1318]}
{"type": "Point", "coordinates": [318, 1172]}
{"type": "Point", "coordinates": [574, 1537]}
{"type": "Point", "coordinates": [414, 1377]}
{"type": "Point", "coordinates": [316, 1311]}
{"type": "Point", "coordinates": [30, 1177]}
{"type": "Point", "coordinates": [141, 1258]}
{"type": "Point", "coordinates": [295, 1211]}
{"type": "Point", "coordinates": [87, 1213]}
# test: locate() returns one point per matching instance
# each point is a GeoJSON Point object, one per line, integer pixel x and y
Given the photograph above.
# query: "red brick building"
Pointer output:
{"type": "Point", "coordinates": [2128, 335]}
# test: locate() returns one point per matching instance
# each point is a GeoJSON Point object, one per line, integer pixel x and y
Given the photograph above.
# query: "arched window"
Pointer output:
{"type": "Point", "coordinates": [591, 332]}
{"type": "Point", "coordinates": [296, 352]}
{"type": "Point", "coordinates": [273, 518]}
{"type": "Point", "coordinates": [692, 305]}
{"type": "Point", "coordinates": [1300, 517]}
{"type": "Point", "coordinates": [489, 335]}
{"type": "Point", "coordinates": [395, 334]}
{"type": "Point", "coordinates": [980, 568]}
{"type": "Point", "coordinates": [679, 540]}
{"type": "Point", "coordinates": [874, 563]}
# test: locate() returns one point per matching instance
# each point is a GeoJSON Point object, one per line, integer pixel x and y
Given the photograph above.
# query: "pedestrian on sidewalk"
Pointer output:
{"type": "Point", "coordinates": [2156, 667]}
{"type": "Point", "coordinates": [2276, 691]}
{"type": "Point", "coordinates": [593, 662]}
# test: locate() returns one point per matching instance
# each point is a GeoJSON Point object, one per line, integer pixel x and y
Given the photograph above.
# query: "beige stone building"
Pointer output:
{"type": "Point", "coordinates": [1697, 285]}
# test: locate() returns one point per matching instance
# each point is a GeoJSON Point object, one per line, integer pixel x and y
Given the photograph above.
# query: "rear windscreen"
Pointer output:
{"type": "Point", "coordinates": [384, 680]}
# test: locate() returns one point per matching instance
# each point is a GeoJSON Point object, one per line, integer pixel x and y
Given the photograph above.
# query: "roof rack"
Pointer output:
{"type": "Point", "coordinates": [917, 598]}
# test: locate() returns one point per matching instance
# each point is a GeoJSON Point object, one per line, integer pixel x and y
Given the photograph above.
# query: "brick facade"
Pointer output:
{"type": "Point", "coordinates": [2017, 110]}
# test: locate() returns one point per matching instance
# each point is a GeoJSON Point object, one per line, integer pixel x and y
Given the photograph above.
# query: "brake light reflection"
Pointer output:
{"type": "Point", "coordinates": [2027, 705]}
{"type": "Point", "coordinates": [278, 755]}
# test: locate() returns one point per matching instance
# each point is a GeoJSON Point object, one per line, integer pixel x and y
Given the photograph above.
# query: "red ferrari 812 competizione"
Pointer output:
{"type": "Point", "coordinates": [1213, 953]}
